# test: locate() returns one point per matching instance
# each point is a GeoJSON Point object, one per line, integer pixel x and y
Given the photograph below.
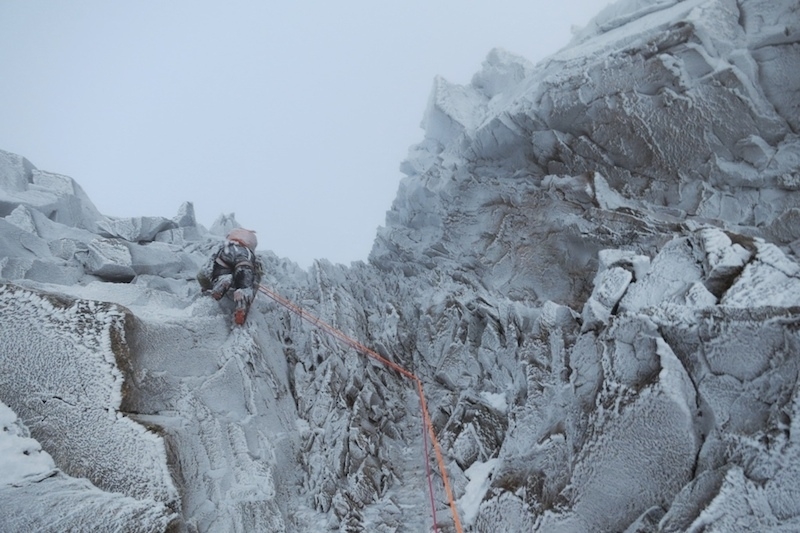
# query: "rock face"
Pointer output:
{"type": "Point", "coordinates": [31, 481]}
{"type": "Point", "coordinates": [591, 266]}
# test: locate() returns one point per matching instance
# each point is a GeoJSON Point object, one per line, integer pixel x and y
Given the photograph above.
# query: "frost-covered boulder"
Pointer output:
{"type": "Point", "coordinates": [39, 497]}
{"type": "Point", "coordinates": [161, 259]}
{"type": "Point", "coordinates": [22, 217]}
{"type": "Point", "coordinates": [135, 229]}
{"type": "Point", "coordinates": [224, 224]}
{"type": "Point", "coordinates": [108, 259]}
{"type": "Point", "coordinates": [616, 270]}
{"type": "Point", "coordinates": [770, 279]}
{"type": "Point", "coordinates": [16, 173]}
{"type": "Point", "coordinates": [185, 216]}
{"type": "Point", "coordinates": [451, 111]}
{"type": "Point", "coordinates": [65, 356]}
{"type": "Point", "coordinates": [186, 228]}
{"type": "Point", "coordinates": [59, 197]}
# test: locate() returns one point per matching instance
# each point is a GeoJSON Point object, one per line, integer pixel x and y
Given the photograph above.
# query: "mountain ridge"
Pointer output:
{"type": "Point", "coordinates": [591, 264]}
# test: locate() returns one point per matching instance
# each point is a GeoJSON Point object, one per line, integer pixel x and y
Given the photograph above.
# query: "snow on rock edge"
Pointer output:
{"type": "Point", "coordinates": [63, 354]}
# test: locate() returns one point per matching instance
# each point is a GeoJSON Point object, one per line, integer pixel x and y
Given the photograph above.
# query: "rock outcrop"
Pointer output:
{"type": "Point", "coordinates": [591, 265]}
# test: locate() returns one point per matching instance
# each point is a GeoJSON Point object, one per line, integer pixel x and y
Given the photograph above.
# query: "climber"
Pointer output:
{"type": "Point", "coordinates": [234, 265]}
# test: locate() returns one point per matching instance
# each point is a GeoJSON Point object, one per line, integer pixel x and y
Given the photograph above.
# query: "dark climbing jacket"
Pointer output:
{"type": "Point", "coordinates": [237, 260]}
{"type": "Point", "coordinates": [231, 266]}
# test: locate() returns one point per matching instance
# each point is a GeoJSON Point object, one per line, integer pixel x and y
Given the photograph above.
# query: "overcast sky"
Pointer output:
{"type": "Point", "coordinates": [295, 116]}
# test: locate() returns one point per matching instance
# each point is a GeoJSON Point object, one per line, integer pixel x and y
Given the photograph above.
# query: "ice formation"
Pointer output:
{"type": "Point", "coordinates": [591, 265]}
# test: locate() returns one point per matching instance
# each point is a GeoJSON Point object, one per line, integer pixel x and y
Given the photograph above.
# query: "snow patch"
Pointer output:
{"type": "Point", "coordinates": [21, 457]}
{"type": "Point", "coordinates": [479, 475]}
{"type": "Point", "coordinates": [495, 400]}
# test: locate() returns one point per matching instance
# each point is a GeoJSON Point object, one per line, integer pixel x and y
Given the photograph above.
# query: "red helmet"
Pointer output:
{"type": "Point", "coordinates": [245, 237]}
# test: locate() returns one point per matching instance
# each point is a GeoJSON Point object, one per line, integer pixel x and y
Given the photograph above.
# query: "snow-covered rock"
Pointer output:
{"type": "Point", "coordinates": [64, 355]}
{"type": "Point", "coordinates": [590, 266]}
{"type": "Point", "coordinates": [109, 259]}
{"type": "Point", "coordinates": [39, 497]}
{"type": "Point", "coordinates": [137, 229]}
{"type": "Point", "coordinates": [58, 197]}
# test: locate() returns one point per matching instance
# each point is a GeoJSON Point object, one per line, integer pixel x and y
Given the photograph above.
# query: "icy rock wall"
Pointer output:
{"type": "Point", "coordinates": [154, 400]}
{"type": "Point", "coordinates": [591, 266]}
{"type": "Point", "coordinates": [678, 110]}
{"type": "Point", "coordinates": [361, 447]}
{"type": "Point", "coordinates": [60, 371]}
{"type": "Point", "coordinates": [38, 497]}
{"type": "Point", "coordinates": [584, 424]}
{"type": "Point", "coordinates": [221, 401]}
{"type": "Point", "coordinates": [661, 122]}
{"type": "Point", "coordinates": [53, 233]}
{"type": "Point", "coordinates": [56, 196]}
{"type": "Point", "coordinates": [653, 403]}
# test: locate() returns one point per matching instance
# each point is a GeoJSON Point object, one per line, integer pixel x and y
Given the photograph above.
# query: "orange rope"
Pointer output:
{"type": "Point", "coordinates": [371, 353]}
{"type": "Point", "coordinates": [439, 458]}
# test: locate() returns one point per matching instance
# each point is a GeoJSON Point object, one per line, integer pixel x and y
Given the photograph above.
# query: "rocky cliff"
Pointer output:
{"type": "Point", "coordinates": [591, 265]}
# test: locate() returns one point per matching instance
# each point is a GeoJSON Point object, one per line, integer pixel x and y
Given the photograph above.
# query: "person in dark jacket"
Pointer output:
{"type": "Point", "coordinates": [234, 266]}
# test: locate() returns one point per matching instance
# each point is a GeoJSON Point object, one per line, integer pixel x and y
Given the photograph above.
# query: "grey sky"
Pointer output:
{"type": "Point", "coordinates": [293, 115]}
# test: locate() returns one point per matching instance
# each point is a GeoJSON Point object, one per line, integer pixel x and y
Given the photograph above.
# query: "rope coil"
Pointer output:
{"type": "Point", "coordinates": [426, 420]}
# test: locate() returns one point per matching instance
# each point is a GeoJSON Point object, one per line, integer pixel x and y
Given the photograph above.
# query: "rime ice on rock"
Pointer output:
{"type": "Point", "coordinates": [224, 224]}
{"type": "Point", "coordinates": [109, 259]}
{"type": "Point", "coordinates": [36, 496]}
{"type": "Point", "coordinates": [771, 279]}
{"type": "Point", "coordinates": [591, 265]}
{"type": "Point", "coordinates": [137, 229]}
{"type": "Point", "coordinates": [64, 354]}
{"type": "Point", "coordinates": [58, 197]}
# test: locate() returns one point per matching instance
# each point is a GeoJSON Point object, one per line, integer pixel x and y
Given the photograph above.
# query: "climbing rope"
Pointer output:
{"type": "Point", "coordinates": [428, 471]}
{"type": "Point", "coordinates": [349, 341]}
